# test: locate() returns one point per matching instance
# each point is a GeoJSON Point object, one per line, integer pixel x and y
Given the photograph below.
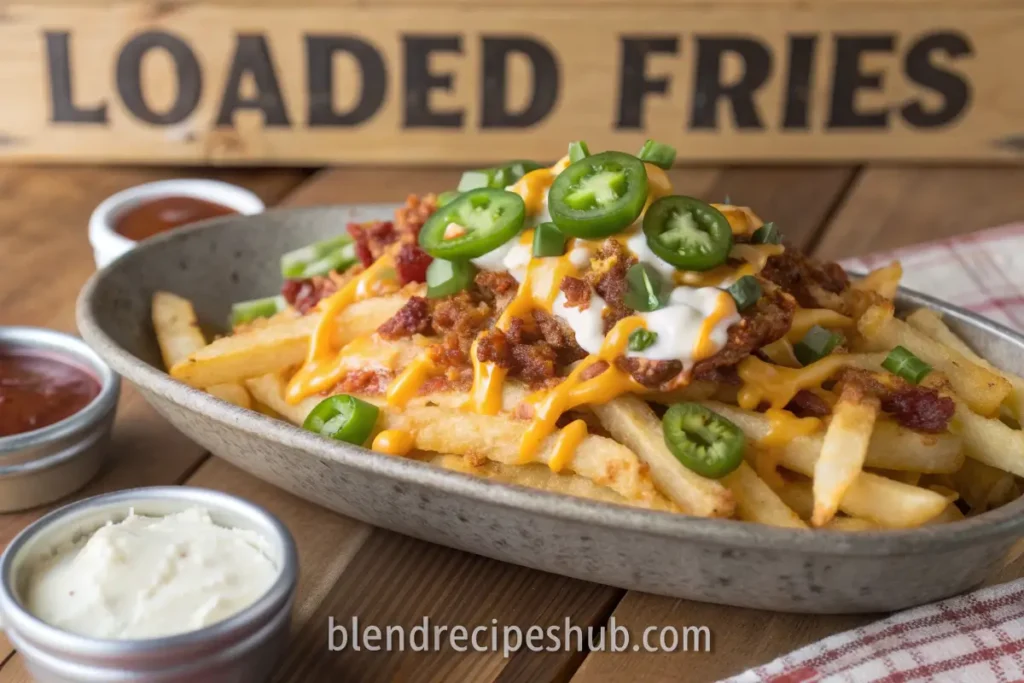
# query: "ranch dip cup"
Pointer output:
{"type": "Point", "coordinates": [242, 647]}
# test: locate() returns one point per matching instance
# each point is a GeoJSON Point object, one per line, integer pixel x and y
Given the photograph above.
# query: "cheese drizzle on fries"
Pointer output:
{"type": "Point", "coordinates": [581, 329]}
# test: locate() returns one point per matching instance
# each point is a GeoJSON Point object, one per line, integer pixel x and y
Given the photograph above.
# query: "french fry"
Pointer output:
{"type": "Point", "coordinates": [178, 335]}
{"type": "Point", "coordinates": [950, 514]}
{"type": "Point", "coordinates": [930, 323]}
{"type": "Point", "coordinates": [884, 281]}
{"type": "Point", "coordinates": [984, 487]}
{"type": "Point", "coordinates": [982, 389]}
{"type": "Point", "coordinates": [798, 496]}
{"type": "Point", "coordinates": [232, 393]}
{"type": "Point", "coordinates": [756, 502]}
{"type": "Point", "coordinates": [177, 330]}
{"type": "Point", "coordinates": [988, 440]}
{"type": "Point", "coordinates": [891, 447]}
{"type": "Point", "coordinates": [276, 347]}
{"type": "Point", "coordinates": [851, 524]}
{"type": "Point", "coordinates": [879, 499]}
{"type": "Point", "coordinates": [842, 451]}
{"type": "Point", "coordinates": [496, 438]}
{"type": "Point", "coordinates": [542, 478]}
{"type": "Point", "coordinates": [633, 423]}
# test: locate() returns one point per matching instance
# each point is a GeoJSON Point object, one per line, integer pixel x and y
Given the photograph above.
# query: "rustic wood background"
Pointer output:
{"type": "Point", "coordinates": [237, 81]}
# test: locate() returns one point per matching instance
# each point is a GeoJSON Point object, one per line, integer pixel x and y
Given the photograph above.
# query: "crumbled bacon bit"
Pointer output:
{"type": "Point", "coordinates": [411, 217]}
{"type": "Point", "coordinates": [577, 292]}
{"type": "Point", "coordinates": [412, 318]}
{"type": "Point", "coordinates": [808, 404]}
{"type": "Point", "coordinates": [916, 407]}
{"type": "Point", "coordinates": [411, 263]}
{"type": "Point", "coordinates": [650, 373]}
{"type": "Point", "coordinates": [304, 295]}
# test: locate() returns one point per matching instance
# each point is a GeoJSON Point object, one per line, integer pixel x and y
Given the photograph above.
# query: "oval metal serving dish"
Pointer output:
{"type": "Point", "coordinates": [723, 561]}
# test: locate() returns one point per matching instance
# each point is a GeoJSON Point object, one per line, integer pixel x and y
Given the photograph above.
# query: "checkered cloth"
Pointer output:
{"type": "Point", "coordinates": [973, 638]}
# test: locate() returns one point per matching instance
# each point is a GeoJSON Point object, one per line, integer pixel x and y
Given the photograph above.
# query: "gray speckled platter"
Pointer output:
{"type": "Point", "coordinates": [721, 561]}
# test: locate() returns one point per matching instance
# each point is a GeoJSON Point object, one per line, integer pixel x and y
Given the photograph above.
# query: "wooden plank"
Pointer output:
{"type": "Point", "coordinates": [892, 207]}
{"type": "Point", "coordinates": [885, 208]}
{"type": "Point", "coordinates": [818, 81]}
{"type": "Point", "coordinates": [43, 218]}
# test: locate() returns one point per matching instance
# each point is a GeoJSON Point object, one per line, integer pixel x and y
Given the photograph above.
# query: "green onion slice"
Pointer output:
{"type": "Point", "coordinates": [247, 311]}
{"type": "Point", "coordinates": [766, 234]}
{"type": "Point", "coordinates": [905, 364]}
{"type": "Point", "coordinates": [314, 258]}
{"type": "Point", "coordinates": [578, 150]}
{"type": "Point", "coordinates": [746, 291]}
{"type": "Point", "coordinates": [548, 240]}
{"type": "Point", "coordinates": [445, 278]}
{"type": "Point", "coordinates": [816, 344]}
{"type": "Point", "coordinates": [645, 289]}
{"type": "Point", "coordinates": [657, 153]}
{"type": "Point", "coordinates": [641, 339]}
{"type": "Point", "coordinates": [343, 418]}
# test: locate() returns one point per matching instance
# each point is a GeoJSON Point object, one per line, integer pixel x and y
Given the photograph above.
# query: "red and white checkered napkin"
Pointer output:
{"type": "Point", "coordinates": [983, 272]}
{"type": "Point", "coordinates": [972, 638]}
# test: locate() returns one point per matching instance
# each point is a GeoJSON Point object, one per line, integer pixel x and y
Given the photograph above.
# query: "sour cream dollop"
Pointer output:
{"type": "Point", "coordinates": [147, 577]}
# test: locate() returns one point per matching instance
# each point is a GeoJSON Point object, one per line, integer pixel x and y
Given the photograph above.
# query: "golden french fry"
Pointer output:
{"type": "Point", "coordinates": [891, 447]}
{"type": "Point", "coordinates": [806, 318]}
{"type": "Point", "coordinates": [950, 514]}
{"type": "Point", "coordinates": [781, 353]}
{"type": "Point", "coordinates": [178, 335]}
{"type": "Point", "coordinates": [632, 422]}
{"type": "Point", "coordinates": [756, 502]}
{"type": "Point", "coordinates": [799, 496]}
{"type": "Point", "coordinates": [542, 478]}
{"type": "Point", "coordinates": [842, 451]}
{"type": "Point", "coordinates": [930, 323]}
{"type": "Point", "coordinates": [884, 281]}
{"type": "Point", "coordinates": [232, 393]}
{"type": "Point", "coordinates": [275, 347]}
{"type": "Point", "coordinates": [851, 524]}
{"type": "Point", "coordinates": [491, 437]}
{"type": "Point", "coordinates": [177, 329]}
{"type": "Point", "coordinates": [982, 389]}
{"type": "Point", "coordinates": [988, 440]}
{"type": "Point", "coordinates": [984, 487]}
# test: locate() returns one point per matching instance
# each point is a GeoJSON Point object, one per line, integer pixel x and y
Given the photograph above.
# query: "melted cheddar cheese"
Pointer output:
{"type": "Point", "coordinates": [393, 442]}
{"type": "Point", "coordinates": [568, 441]}
{"type": "Point", "coordinates": [576, 390]}
{"type": "Point", "coordinates": [322, 369]}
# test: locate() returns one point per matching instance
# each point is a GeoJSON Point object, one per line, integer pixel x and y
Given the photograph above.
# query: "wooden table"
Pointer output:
{"type": "Point", "coordinates": [350, 569]}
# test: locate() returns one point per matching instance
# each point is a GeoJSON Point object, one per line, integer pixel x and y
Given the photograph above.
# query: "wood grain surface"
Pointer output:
{"type": "Point", "coordinates": [352, 570]}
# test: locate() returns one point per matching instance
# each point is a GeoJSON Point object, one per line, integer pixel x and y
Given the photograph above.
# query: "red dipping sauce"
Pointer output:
{"type": "Point", "coordinates": [38, 390]}
{"type": "Point", "coordinates": [166, 213]}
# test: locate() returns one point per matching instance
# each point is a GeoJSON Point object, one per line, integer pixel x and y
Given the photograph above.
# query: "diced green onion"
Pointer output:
{"type": "Point", "coordinates": [816, 344]}
{"type": "Point", "coordinates": [343, 418]}
{"type": "Point", "coordinates": [578, 150]}
{"type": "Point", "coordinates": [905, 364]}
{"type": "Point", "coordinates": [445, 278]}
{"type": "Point", "coordinates": [340, 261]}
{"type": "Point", "coordinates": [745, 291]}
{"type": "Point", "coordinates": [548, 240]}
{"type": "Point", "coordinates": [766, 234]}
{"type": "Point", "coordinates": [472, 180]}
{"type": "Point", "coordinates": [658, 153]}
{"type": "Point", "coordinates": [645, 290]}
{"type": "Point", "coordinates": [247, 311]}
{"type": "Point", "coordinates": [641, 339]}
{"type": "Point", "coordinates": [301, 262]}
{"type": "Point", "coordinates": [446, 196]}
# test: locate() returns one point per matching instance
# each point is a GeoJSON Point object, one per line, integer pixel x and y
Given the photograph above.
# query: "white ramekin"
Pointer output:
{"type": "Point", "coordinates": [243, 647]}
{"type": "Point", "coordinates": [108, 244]}
{"type": "Point", "coordinates": [46, 464]}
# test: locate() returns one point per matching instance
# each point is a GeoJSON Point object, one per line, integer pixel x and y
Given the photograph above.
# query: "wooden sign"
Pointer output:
{"type": "Point", "coordinates": [454, 82]}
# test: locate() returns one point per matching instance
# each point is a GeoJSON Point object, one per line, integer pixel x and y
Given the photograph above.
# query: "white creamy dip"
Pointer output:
{"type": "Point", "coordinates": [147, 577]}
